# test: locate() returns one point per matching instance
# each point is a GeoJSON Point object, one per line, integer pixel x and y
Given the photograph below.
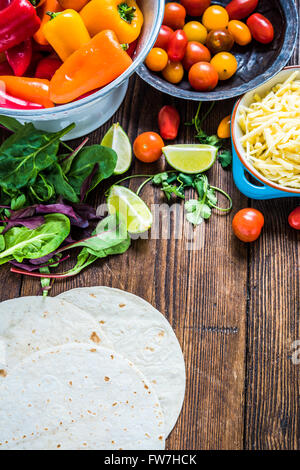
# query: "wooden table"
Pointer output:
{"type": "Point", "coordinates": [234, 307]}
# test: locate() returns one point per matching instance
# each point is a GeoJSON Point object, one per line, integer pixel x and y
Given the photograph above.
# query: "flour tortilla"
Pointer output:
{"type": "Point", "coordinates": [30, 324]}
{"type": "Point", "coordinates": [76, 397]}
{"type": "Point", "coordinates": [142, 334]}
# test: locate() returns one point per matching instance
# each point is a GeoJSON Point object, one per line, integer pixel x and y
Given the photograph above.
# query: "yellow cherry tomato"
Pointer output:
{"type": "Point", "coordinates": [225, 64]}
{"type": "Point", "coordinates": [215, 17]}
{"type": "Point", "coordinates": [195, 31]}
{"type": "Point", "coordinates": [157, 59]}
{"type": "Point", "coordinates": [240, 32]}
{"type": "Point", "coordinates": [173, 72]}
{"type": "Point", "coordinates": [224, 128]}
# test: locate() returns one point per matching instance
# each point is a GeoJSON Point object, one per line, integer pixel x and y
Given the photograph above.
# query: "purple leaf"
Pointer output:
{"type": "Point", "coordinates": [29, 222]}
{"type": "Point", "coordinates": [87, 182]}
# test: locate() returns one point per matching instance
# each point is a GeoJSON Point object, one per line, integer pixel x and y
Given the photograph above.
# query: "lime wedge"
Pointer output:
{"type": "Point", "coordinates": [131, 207]}
{"type": "Point", "coordinates": [117, 139]}
{"type": "Point", "coordinates": [191, 159]}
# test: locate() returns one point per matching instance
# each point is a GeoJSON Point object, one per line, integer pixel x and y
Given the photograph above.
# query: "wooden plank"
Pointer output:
{"type": "Point", "coordinates": [202, 292]}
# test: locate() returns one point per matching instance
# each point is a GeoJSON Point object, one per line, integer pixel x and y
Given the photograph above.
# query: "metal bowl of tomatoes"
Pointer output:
{"type": "Point", "coordinates": [251, 61]}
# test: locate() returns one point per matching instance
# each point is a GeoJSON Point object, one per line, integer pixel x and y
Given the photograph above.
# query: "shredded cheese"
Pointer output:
{"type": "Point", "coordinates": [271, 127]}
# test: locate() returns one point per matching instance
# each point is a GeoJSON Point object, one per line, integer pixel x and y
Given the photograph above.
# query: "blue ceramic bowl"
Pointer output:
{"type": "Point", "coordinates": [259, 187]}
{"type": "Point", "coordinates": [257, 63]}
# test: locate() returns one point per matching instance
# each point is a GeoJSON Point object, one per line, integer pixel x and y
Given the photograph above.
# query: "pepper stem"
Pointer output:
{"type": "Point", "coordinates": [126, 12]}
{"type": "Point", "coordinates": [53, 15]}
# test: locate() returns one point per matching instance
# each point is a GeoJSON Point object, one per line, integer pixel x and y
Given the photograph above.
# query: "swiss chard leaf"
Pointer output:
{"type": "Point", "coordinates": [23, 243]}
{"type": "Point", "coordinates": [84, 164]}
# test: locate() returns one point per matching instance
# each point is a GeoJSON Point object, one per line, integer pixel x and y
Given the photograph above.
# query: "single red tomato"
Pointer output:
{"type": "Point", "coordinates": [148, 147]}
{"type": "Point", "coordinates": [174, 15]}
{"type": "Point", "coordinates": [195, 52]}
{"type": "Point", "coordinates": [247, 224]}
{"type": "Point", "coordinates": [195, 7]}
{"type": "Point", "coordinates": [203, 76]}
{"type": "Point", "coordinates": [164, 37]}
{"type": "Point", "coordinates": [261, 28]}
{"type": "Point", "coordinates": [239, 9]}
{"type": "Point", "coordinates": [294, 219]}
{"type": "Point", "coordinates": [177, 46]}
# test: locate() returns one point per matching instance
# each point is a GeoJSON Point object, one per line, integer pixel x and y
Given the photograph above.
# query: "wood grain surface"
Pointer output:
{"type": "Point", "coordinates": [234, 308]}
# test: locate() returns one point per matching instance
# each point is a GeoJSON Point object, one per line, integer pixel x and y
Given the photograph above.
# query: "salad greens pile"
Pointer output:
{"type": "Point", "coordinates": [43, 186]}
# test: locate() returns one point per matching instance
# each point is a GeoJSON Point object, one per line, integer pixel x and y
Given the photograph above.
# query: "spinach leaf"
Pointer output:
{"type": "Point", "coordinates": [23, 243]}
{"type": "Point", "coordinates": [84, 164]}
{"type": "Point", "coordinates": [25, 154]}
{"type": "Point", "coordinates": [10, 123]}
{"type": "Point", "coordinates": [55, 176]}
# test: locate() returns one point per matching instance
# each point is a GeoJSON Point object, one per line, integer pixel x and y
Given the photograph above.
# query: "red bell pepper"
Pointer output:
{"type": "Point", "coordinates": [19, 57]}
{"type": "Point", "coordinates": [168, 122]}
{"type": "Point", "coordinates": [5, 68]}
{"type": "Point", "coordinates": [8, 101]}
{"type": "Point", "coordinates": [131, 49]}
{"type": "Point", "coordinates": [47, 67]}
{"type": "Point", "coordinates": [18, 22]}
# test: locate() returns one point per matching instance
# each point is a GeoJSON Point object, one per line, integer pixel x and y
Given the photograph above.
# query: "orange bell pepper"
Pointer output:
{"type": "Point", "coordinates": [92, 66]}
{"type": "Point", "coordinates": [47, 5]}
{"type": "Point", "coordinates": [123, 17]}
{"type": "Point", "coordinates": [66, 32]}
{"type": "Point", "coordinates": [34, 90]}
{"type": "Point", "coordinates": [76, 5]}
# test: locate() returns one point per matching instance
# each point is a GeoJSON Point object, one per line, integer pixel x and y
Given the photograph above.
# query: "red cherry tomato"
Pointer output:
{"type": "Point", "coordinates": [247, 225]}
{"type": "Point", "coordinates": [203, 76]}
{"type": "Point", "coordinates": [174, 15]}
{"type": "Point", "coordinates": [148, 147]}
{"type": "Point", "coordinates": [195, 52]}
{"type": "Point", "coordinates": [168, 122]}
{"type": "Point", "coordinates": [261, 28]}
{"type": "Point", "coordinates": [177, 46]}
{"type": "Point", "coordinates": [131, 49]}
{"type": "Point", "coordinates": [195, 7]}
{"type": "Point", "coordinates": [239, 9]}
{"type": "Point", "coordinates": [164, 37]}
{"type": "Point", "coordinates": [294, 219]}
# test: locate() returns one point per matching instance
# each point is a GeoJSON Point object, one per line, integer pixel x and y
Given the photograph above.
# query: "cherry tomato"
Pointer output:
{"type": "Point", "coordinates": [261, 28]}
{"type": "Point", "coordinates": [131, 49]}
{"type": "Point", "coordinates": [168, 122]}
{"type": "Point", "coordinates": [157, 59]}
{"type": "Point", "coordinates": [203, 76]}
{"type": "Point", "coordinates": [294, 219]}
{"type": "Point", "coordinates": [195, 52]}
{"type": "Point", "coordinates": [239, 9]}
{"type": "Point", "coordinates": [173, 72]}
{"type": "Point", "coordinates": [164, 36]}
{"type": "Point", "coordinates": [225, 64]}
{"type": "Point", "coordinates": [240, 32]}
{"type": "Point", "coordinates": [224, 128]}
{"type": "Point", "coordinates": [174, 15]}
{"type": "Point", "coordinates": [177, 46]}
{"type": "Point", "coordinates": [219, 40]}
{"type": "Point", "coordinates": [215, 17]}
{"type": "Point", "coordinates": [195, 31]}
{"type": "Point", "coordinates": [148, 147]}
{"type": "Point", "coordinates": [247, 225]}
{"type": "Point", "coordinates": [195, 7]}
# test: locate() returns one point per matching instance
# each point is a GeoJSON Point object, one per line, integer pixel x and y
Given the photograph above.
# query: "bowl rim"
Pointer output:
{"type": "Point", "coordinates": [242, 158]}
{"type": "Point", "coordinates": [59, 111]}
{"type": "Point", "coordinates": [290, 39]}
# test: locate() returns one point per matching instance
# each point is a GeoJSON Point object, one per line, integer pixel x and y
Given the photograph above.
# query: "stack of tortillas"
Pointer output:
{"type": "Point", "coordinates": [94, 368]}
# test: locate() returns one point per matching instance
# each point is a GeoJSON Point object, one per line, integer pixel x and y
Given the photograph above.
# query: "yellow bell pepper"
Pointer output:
{"type": "Point", "coordinates": [123, 17]}
{"type": "Point", "coordinates": [66, 32]}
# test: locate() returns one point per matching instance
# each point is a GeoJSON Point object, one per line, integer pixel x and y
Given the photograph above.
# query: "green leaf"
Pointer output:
{"type": "Point", "coordinates": [197, 211]}
{"type": "Point", "coordinates": [84, 259]}
{"type": "Point", "coordinates": [170, 190]}
{"type": "Point", "coordinates": [23, 243]}
{"type": "Point", "coordinates": [84, 164]}
{"type": "Point", "coordinates": [18, 202]}
{"type": "Point", "coordinates": [160, 178]}
{"type": "Point", "coordinates": [25, 154]}
{"type": "Point", "coordinates": [225, 158]}
{"type": "Point", "coordinates": [212, 197]}
{"type": "Point", "coordinates": [10, 123]}
{"type": "Point", "coordinates": [42, 190]}
{"type": "Point", "coordinates": [55, 176]}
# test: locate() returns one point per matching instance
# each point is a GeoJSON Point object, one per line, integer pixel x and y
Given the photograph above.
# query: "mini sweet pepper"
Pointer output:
{"type": "Point", "coordinates": [32, 90]}
{"type": "Point", "coordinates": [92, 66]}
{"type": "Point", "coordinates": [48, 5]}
{"type": "Point", "coordinates": [66, 33]}
{"type": "Point", "coordinates": [73, 4]}
{"type": "Point", "coordinates": [123, 17]}
{"type": "Point", "coordinates": [18, 22]}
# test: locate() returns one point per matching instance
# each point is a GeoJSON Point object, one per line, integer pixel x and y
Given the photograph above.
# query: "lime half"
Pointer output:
{"type": "Point", "coordinates": [131, 207]}
{"type": "Point", "coordinates": [189, 158]}
{"type": "Point", "coordinates": [117, 139]}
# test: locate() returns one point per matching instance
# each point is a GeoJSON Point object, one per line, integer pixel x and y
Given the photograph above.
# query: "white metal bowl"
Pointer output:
{"type": "Point", "coordinates": [91, 112]}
